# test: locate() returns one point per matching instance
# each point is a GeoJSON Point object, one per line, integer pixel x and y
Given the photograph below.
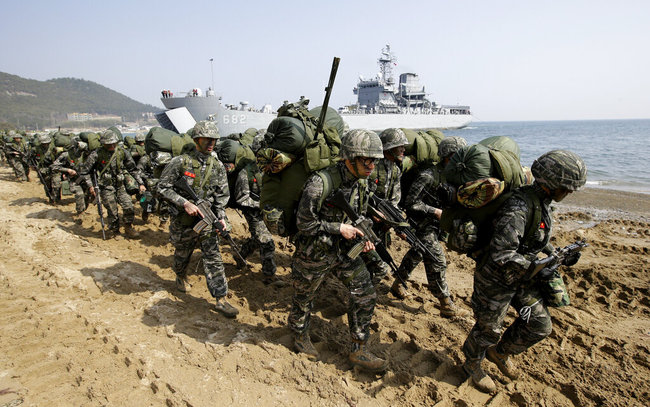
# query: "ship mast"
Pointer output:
{"type": "Point", "coordinates": [386, 61]}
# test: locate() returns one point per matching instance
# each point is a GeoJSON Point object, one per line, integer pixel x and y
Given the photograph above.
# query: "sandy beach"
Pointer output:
{"type": "Point", "coordinates": [87, 322]}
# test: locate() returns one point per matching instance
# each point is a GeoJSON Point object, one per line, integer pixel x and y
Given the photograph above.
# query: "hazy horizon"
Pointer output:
{"type": "Point", "coordinates": [508, 60]}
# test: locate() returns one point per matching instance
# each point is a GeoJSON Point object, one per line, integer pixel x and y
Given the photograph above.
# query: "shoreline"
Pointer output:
{"type": "Point", "coordinates": [604, 203]}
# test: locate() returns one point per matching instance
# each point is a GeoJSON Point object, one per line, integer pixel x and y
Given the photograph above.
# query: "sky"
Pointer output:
{"type": "Point", "coordinates": [508, 60]}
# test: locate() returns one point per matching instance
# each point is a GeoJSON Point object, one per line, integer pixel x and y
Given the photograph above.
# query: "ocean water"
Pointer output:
{"type": "Point", "coordinates": [617, 152]}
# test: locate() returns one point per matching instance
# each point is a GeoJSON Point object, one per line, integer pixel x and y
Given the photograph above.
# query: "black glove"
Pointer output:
{"type": "Point", "coordinates": [571, 259]}
{"type": "Point", "coordinates": [546, 273]}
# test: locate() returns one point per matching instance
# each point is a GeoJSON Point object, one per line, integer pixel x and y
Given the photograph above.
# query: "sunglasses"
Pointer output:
{"type": "Point", "coordinates": [367, 162]}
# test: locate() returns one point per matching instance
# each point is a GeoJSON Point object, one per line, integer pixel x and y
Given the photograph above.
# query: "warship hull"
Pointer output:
{"type": "Point", "coordinates": [208, 108]}
{"type": "Point", "coordinates": [382, 121]}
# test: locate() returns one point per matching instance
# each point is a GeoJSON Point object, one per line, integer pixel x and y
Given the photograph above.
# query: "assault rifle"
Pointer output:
{"type": "Point", "coordinates": [328, 93]}
{"type": "Point", "coordinates": [208, 217]}
{"type": "Point", "coordinates": [31, 161]}
{"type": "Point", "coordinates": [567, 256]}
{"type": "Point", "coordinates": [365, 226]}
{"type": "Point", "coordinates": [98, 196]}
{"type": "Point", "coordinates": [396, 220]}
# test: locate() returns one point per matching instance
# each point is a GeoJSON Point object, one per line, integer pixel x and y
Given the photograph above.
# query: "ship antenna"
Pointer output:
{"type": "Point", "coordinates": [212, 73]}
{"type": "Point", "coordinates": [386, 61]}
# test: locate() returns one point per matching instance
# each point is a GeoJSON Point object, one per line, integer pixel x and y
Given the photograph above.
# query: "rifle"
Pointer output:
{"type": "Point", "coordinates": [396, 220]}
{"type": "Point", "coordinates": [365, 225]}
{"type": "Point", "coordinates": [209, 218]}
{"type": "Point", "coordinates": [98, 195]}
{"type": "Point", "coordinates": [31, 161]}
{"type": "Point", "coordinates": [568, 255]}
{"type": "Point", "coordinates": [328, 93]}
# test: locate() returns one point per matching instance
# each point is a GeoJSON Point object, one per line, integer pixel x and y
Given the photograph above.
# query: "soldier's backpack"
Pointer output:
{"type": "Point", "coordinates": [61, 140]}
{"type": "Point", "coordinates": [420, 153]}
{"type": "Point", "coordinates": [91, 139]}
{"type": "Point", "coordinates": [232, 151]}
{"type": "Point", "coordinates": [117, 132]}
{"type": "Point", "coordinates": [159, 139]}
{"type": "Point", "coordinates": [292, 137]}
{"type": "Point", "coordinates": [129, 141]}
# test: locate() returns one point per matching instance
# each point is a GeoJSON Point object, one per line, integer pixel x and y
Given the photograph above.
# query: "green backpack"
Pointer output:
{"type": "Point", "coordinates": [293, 132]}
{"type": "Point", "coordinates": [159, 139]}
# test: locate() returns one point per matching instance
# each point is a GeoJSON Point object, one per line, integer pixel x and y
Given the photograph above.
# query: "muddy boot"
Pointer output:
{"type": "Point", "coordinates": [365, 360]}
{"type": "Point", "coordinates": [274, 281]}
{"type": "Point", "coordinates": [449, 309]}
{"type": "Point", "coordinates": [145, 216]}
{"type": "Point", "coordinates": [503, 362]}
{"type": "Point", "coordinates": [129, 232]}
{"type": "Point", "coordinates": [302, 344]}
{"type": "Point", "coordinates": [397, 289]}
{"type": "Point", "coordinates": [182, 284]}
{"type": "Point", "coordinates": [481, 380]}
{"type": "Point", "coordinates": [225, 309]}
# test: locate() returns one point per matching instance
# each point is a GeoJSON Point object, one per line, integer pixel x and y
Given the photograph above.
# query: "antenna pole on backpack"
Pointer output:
{"type": "Point", "coordinates": [328, 93]}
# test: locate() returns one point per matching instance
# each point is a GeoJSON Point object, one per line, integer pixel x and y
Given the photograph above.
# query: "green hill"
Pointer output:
{"type": "Point", "coordinates": [30, 103]}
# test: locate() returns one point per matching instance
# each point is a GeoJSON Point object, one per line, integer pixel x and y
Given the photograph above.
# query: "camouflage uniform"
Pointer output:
{"type": "Point", "coordinates": [502, 276]}
{"type": "Point", "coordinates": [110, 168]}
{"type": "Point", "coordinates": [150, 174]}
{"type": "Point", "coordinates": [18, 161]}
{"type": "Point", "coordinates": [420, 208]}
{"type": "Point", "coordinates": [72, 160]}
{"type": "Point", "coordinates": [320, 249]}
{"type": "Point", "coordinates": [45, 155]}
{"type": "Point", "coordinates": [246, 196]}
{"type": "Point", "coordinates": [197, 168]}
{"type": "Point", "coordinates": [384, 182]}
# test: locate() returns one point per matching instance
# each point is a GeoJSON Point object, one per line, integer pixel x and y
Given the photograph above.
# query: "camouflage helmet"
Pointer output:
{"type": "Point", "coordinates": [108, 137]}
{"type": "Point", "coordinates": [13, 134]}
{"type": "Point", "coordinates": [140, 136]}
{"type": "Point", "coordinates": [392, 138]}
{"type": "Point", "coordinates": [449, 145]}
{"type": "Point", "coordinates": [361, 143]}
{"type": "Point", "coordinates": [205, 128]}
{"type": "Point", "coordinates": [44, 139]}
{"type": "Point", "coordinates": [560, 169]}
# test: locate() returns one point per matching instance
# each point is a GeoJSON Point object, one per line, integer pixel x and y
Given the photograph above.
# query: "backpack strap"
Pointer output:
{"type": "Point", "coordinates": [108, 164]}
{"type": "Point", "coordinates": [534, 217]}
{"type": "Point", "coordinates": [331, 181]}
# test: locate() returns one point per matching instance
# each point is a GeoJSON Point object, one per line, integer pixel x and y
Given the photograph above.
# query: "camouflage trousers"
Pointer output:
{"type": "Point", "coordinates": [377, 268]}
{"type": "Point", "coordinates": [260, 239]}
{"type": "Point", "coordinates": [80, 196]}
{"type": "Point", "coordinates": [309, 269]}
{"type": "Point", "coordinates": [434, 267]}
{"type": "Point", "coordinates": [55, 185]}
{"type": "Point", "coordinates": [185, 240]}
{"type": "Point", "coordinates": [21, 169]}
{"type": "Point", "coordinates": [111, 197]}
{"type": "Point", "coordinates": [490, 301]}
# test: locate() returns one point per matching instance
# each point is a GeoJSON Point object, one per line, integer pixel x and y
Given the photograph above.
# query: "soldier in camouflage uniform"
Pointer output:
{"type": "Point", "coordinates": [45, 155]}
{"type": "Point", "coordinates": [137, 149]}
{"type": "Point", "coordinates": [422, 208]}
{"type": "Point", "coordinates": [69, 162]}
{"type": "Point", "coordinates": [17, 152]}
{"type": "Point", "coordinates": [110, 163]}
{"type": "Point", "coordinates": [247, 199]}
{"type": "Point", "coordinates": [503, 276]}
{"type": "Point", "coordinates": [206, 175]}
{"type": "Point", "coordinates": [385, 183]}
{"type": "Point", "coordinates": [323, 241]}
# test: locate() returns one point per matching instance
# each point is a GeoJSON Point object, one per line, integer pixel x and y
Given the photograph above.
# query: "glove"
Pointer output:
{"type": "Point", "coordinates": [571, 259]}
{"type": "Point", "coordinates": [546, 273]}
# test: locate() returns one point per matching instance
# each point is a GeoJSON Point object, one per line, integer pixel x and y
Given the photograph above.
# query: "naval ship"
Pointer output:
{"type": "Point", "coordinates": [383, 104]}
{"type": "Point", "coordinates": [185, 110]}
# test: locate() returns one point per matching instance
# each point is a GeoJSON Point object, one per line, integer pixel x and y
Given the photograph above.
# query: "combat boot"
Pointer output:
{"type": "Point", "coordinates": [503, 362]}
{"type": "Point", "coordinates": [481, 380]}
{"type": "Point", "coordinates": [397, 289]}
{"type": "Point", "coordinates": [225, 308]}
{"type": "Point", "coordinates": [274, 281]}
{"type": "Point", "coordinates": [302, 344]}
{"type": "Point", "coordinates": [362, 358]}
{"type": "Point", "coordinates": [129, 232]}
{"type": "Point", "coordinates": [182, 284]}
{"type": "Point", "coordinates": [449, 309]}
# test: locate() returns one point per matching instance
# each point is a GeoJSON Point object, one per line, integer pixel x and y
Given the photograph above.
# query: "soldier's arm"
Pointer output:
{"type": "Point", "coordinates": [60, 164]}
{"type": "Point", "coordinates": [129, 163]}
{"type": "Point", "coordinates": [414, 199]}
{"type": "Point", "coordinates": [307, 220]}
{"type": "Point", "coordinates": [165, 187]}
{"type": "Point", "coordinates": [221, 195]}
{"type": "Point", "coordinates": [396, 194]}
{"type": "Point", "coordinates": [87, 167]}
{"type": "Point", "coordinates": [242, 191]}
{"type": "Point", "coordinates": [509, 230]}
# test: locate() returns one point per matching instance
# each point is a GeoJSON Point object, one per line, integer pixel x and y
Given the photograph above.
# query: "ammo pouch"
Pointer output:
{"type": "Point", "coordinates": [65, 187]}
{"type": "Point", "coordinates": [274, 220]}
{"type": "Point", "coordinates": [554, 291]}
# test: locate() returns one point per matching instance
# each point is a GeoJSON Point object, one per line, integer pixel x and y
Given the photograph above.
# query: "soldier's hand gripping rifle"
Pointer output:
{"type": "Point", "coordinates": [566, 256]}
{"type": "Point", "coordinates": [209, 218]}
{"type": "Point", "coordinates": [98, 196]}
{"type": "Point", "coordinates": [393, 218]}
{"type": "Point", "coordinates": [365, 226]}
